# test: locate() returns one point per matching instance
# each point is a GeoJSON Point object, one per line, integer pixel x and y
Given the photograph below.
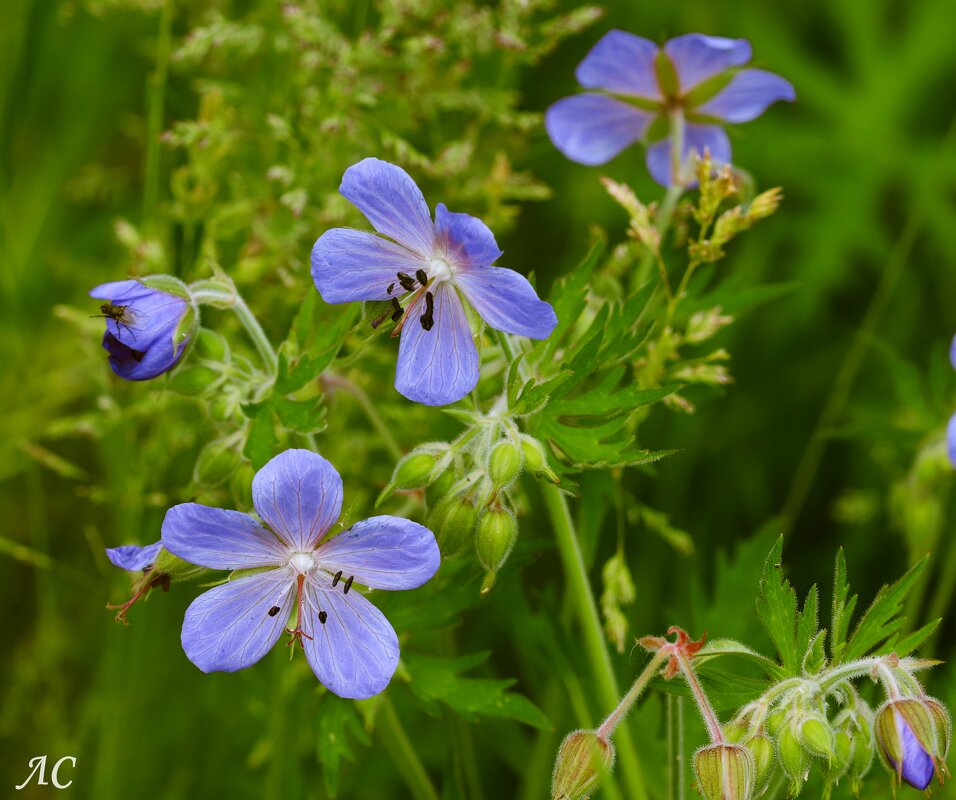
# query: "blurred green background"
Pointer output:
{"type": "Point", "coordinates": [831, 430]}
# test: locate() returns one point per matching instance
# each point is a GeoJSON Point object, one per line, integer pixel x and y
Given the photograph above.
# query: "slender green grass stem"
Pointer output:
{"type": "Point", "coordinates": [595, 646]}
{"type": "Point", "coordinates": [368, 408]}
{"type": "Point", "coordinates": [403, 754]}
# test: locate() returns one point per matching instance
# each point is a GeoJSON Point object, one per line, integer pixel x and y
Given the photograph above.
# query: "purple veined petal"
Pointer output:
{"type": "Point", "coordinates": [299, 495]}
{"type": "Point", "coordinates": [697, 138]}
{"type": "Point", "coordinates": [592, 128]}
{"type": "Point", "coordinates": [119, 291]}
{"type": "Point", "coordinates": [230, 628]}
{"type": "Point", "coordinates": [507, 302]}
{"type": "Point", "coordinates": [747, 96]}
{"type": "Point", "coordinates": [468, 242]}
{"type": "Point", "coordinates": [438, 366]}
{"type": "Point", "coordinates": [917, 768]}
{"type": "Point", "coordinates": [383, 553]}
{"type": "Point", "coordinates": [220, 539]}
{"type": "Point", "coordinates": [134, 557]}
{"type": "Point", "coordinates": [352, 265]}
{"type": "Point", "coordinates": [355, 652]}
{"type": "Point", "coordinates": [697, 57]}
{"type": "Point", "coordinates": [951, 440]}
{"type": "Point", "coordinates": [391, 201]}
{"type": "Point", "coordinates": [133, 364]}
{"type": "Point", "coordinates": [622, 63]}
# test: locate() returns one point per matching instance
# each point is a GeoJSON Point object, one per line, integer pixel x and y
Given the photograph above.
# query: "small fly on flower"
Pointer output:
{"type": "Point", "coordinates": [120, 314]}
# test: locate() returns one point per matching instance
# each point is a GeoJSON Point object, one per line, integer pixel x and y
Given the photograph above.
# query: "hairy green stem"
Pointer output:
{"type": "Point", "coordinates": [258, 336]}
{"type": "Point", "coordinates": [711, 721]}
{"type": "Point", "coordinates": [403, 754]}
{"type": "Point", "coordinates": [615, 717]}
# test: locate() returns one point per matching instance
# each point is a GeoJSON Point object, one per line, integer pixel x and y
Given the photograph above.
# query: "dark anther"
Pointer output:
{"type": "Point", "coordinates": [337, 578]}
{"type": "Point", "coordinates": [407, 281]}
{"type": "Point", "coordinates": [348, 584]}
{"type": "Point", "coordinates": [323, 617]}
{"type": "Point", "coordinates": [274, 610]}
{"type": "Point", "coordinates": [428, 318]}
{"type": "Point", "coordinates": [390, 287]}
{"type": "Point", "coordinates": [422, 276]}
{"type": "Point", "coordinates": [398, 310]}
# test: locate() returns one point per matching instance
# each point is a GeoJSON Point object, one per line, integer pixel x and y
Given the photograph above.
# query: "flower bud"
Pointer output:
{"type": "Point", "coordinates": [452, 522]}
{"type": "Point", "coordinates": [582, 756]}
{"type": "Point", "coordinates": [817, 737]}
{"type": "Point", "coordinates": [504, 464]}
{"type": "Point", "coordinates": [793, 758]}
{"type": "Point", "coordinates": [241, 486]}
{"type": "Point", "coordinates": [736, 731]}
{"type": "Point", "coordinates": [436, 491]}
{"type": "Point", "coordinates": [497, 533]}
{"type": "Point", "coordinates": [149, 323]}
{"type": "Point", "coordinates": [536, 459]}
{"type": "Point", "coordinates": [193, 381]}
{"type": "Point", "coordinates": [414, 470]}
{"type": "Point", "coordinates": [906, 732]}
{"type": "Point", "coordinates": [761, 748]}
{"type": "Point", "coordinates": [217, 462]}
{"type": "Point", "coordinates": [724, 772]}
{"type": "Point", "coordinates": [212, 346]}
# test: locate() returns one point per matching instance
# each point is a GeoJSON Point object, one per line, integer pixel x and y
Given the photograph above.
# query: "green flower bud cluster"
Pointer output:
{"type": "Point", "coordinates": [471, 485]}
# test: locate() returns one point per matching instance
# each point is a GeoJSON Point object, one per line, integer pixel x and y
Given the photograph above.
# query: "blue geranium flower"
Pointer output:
{"type": "Point", "coordinates": [149, 323]}
{"type": "Point", "coordinates": [134, 557]}
{"type": "Point", "coordinates": [951, 427]}
{"type": "Point", "coordinates": [298, 496]}
{"type": "Point", "coordinates": [641, 83]}
{"type": "Point", "coordinates": [909, 737]}
{"type": "Point", "coordinates": [426, 269]}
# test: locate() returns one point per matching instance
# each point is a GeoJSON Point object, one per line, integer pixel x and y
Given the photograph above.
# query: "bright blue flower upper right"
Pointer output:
{"type": "Point", "coordinates": [643, 82]}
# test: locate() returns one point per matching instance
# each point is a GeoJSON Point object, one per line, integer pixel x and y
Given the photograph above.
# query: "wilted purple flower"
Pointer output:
{"type": "Point", "coordinates": [425, 269]}
{"type": "Point", "coordinates": [134, 557]}
{"type": "Point", "coordinates": [907, 732]}
{"type": "Point", "coordinates": [347, 641]}
{"type": "Point", "coordinates": [642, 83]}
{"type": "Point", "coordinates": [148, 325]}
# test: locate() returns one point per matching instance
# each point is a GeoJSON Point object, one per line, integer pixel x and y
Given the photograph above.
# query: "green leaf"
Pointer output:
{"type": "Point", "coordinates": [337, 724]}
{"type": "Point", "coordinates": [716, 648]}
{"type": "Point", "coordinates": [882, 620]}
{"type": "Point", "coordinates": [842, 607]}
{"type": "Point", "coordinates": [437, 680]}
{"type": "Point", "coordinates": [790, 631]}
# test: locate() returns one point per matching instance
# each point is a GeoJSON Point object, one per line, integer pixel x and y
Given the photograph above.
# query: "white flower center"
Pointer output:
{"type": "Point", "coordinates": [302, 563]}
{"type": "Point", "coordinates": [439, 270]}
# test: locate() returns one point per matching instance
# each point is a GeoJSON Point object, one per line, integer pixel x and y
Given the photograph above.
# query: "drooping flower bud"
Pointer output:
{"type": "Point", "coordinates": [582, 756]}
{"type": "Point", "coordinates": [816, 736]}
{"type": "Point", "coordinates": [435, 491]}
{"type": "Point", "coordinates": [536, 459]}
{"type": "Point", "coordinates": [149, 323]}
{"type": "Point", "coordinates": [453, 522]}
{"type": "Point", "coordinates": [793, 758]}
{"type": "Point", "coordinates": [907, 735]}
{"type": "Point", "coordinates": [724, 772]}
{"type": "Point", "coordinates": [497, 533]}
{"type": "Point", "coordinates": [504, 464]}
{"type": "Point", "coordinates": [761, 748]}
